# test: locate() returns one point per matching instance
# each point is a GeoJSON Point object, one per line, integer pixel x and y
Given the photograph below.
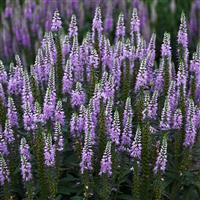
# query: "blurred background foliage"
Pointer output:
{"type": "Point", "coordinates": [163, 15]}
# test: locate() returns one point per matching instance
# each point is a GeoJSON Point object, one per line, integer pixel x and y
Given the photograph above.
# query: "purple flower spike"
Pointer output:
{"type": "Point", "coordinates": [108, 114]}
{"type": "Point", "coordinates": [87, 154]}
{"type": "Point", "coordinates": [56, 24]}
{"type": "Point", "coordinates": [136, 147]}
{"type": "Point", "coordinates": [126, 135]}
{"type": "Point", "coordinates": [67, 78]}
{"type": "Point", "coordinates": [78, 96]}
{"type": "Point", "coordinates": [25, 161]}
{"type": "Point", "coordinates": [166, 48]}
{"type": "Point", "coordinates": [141, 81]}
{"type": "Point", "coordinates": [50, 98]}
{"type": "Point", "coordinates": [97, 22]}
{"type": "Point", "coordinates": [127, 111]}
{"type": "Point", "coordinates": [178, 119]}
{"type": "Point", "coordinates": [116, 130]}
{"type": "Point", "coordinates": [4, 172]}
{"type": "Point", "coordinates": [182, 33]}
{"type": "Point", "coordinates": [58, 137]}
{"type": "Point", "coordinates": [73, 28]}
{"type": "Point", "coordinates": [8, 133]}
{"type": "Point", "coordinates": [3, 74]}
{"type": "Point", "coordinates": [165, 122]}
{"type": "Point", "coordinates": [135, 27]}
{"type": "Point", "coordinates": [120, 30]}
{"type": "Point", "coordinates": [106, 162]}
{"type": "Point", "coordinates": [28, 118]}
{"type": "Point", "coordinates": [3, 144]}
{"type": "Point", "coordinates": [161, 161]}
{"type": "Point", "coordinates": [59, 113]}
{"type": "Point", "coordinates": [191, 131]}
{"type": "Point", "coordinates": [153, 106]}
{"type": "Point", "coordinates": [12, 113]}
{"type": "Point", "coordinates": [49, 151]}
{"type": "Point", "coordinates": [15, 84]}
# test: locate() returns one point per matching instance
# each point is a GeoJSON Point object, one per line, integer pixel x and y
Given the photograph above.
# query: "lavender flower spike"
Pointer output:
{"type": "Point", "coordinates": [49, 151]}
{"type": "Point", "coordinates": [56, 24]}
{"type": "Point", "coordinates": [87, 154]}
{"type": "Point", "coordinates": [182, 33]}
{"type": "Point", "coordinates": [161, 161]}
{"type": "Point", "coordinates": [73, 29]}
{"type": "Point", "coordinates": [97, 21]}
{"type": "Point", "coordinates": [166, 116]}
{"type": "Point", "coordinates": [12, 113]}
{"type": "Point", "coordinates": [120, 32]}
{"type": "Point", "coordinates": [25, 161]}
{"type": "Point", "coordinates": [106, 162]}
{"type": "Point", "coordinates": [136, 148]}
{"type": "Point", "coordinates": [190, 125]}
{"type": "Point", "coordinates": [78, 95]}
{"type": "Point", "coordinates": [166, 48]}
{"type": "Point", "coordinates": [4, 173]}
{"type": "Point", "coordinates": [58, 137]}
{"type": "Point", "coordinates": [115, 130]}
{"type": "Point", "coordinates": [59, 113]}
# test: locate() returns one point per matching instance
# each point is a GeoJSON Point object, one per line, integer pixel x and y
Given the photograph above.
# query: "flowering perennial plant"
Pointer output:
{"type": "Point", "coordinates": [96, 111]}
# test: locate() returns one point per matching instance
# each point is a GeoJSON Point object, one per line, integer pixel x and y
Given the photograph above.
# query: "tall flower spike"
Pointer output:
{"type": "Point", "coordinates": [108, 88]}
{"type": "Point", "coordinates": [136, 147]}
{"type": "Point", "coordinates": [181, 76]}
{"type": "Point", "coordinates": [8, 133]}
{"type": "Point", "coordinates": [87, 154]}
{"type": "Point", "coordinates": [116, 130]}
{"type": "Point", "coordinates": [66, 46]}
{"type": "Point", "coordinates": [58, 137]}
{"type": "Point", "coordinates": [49, 151]}
{"type": "Point", "coordinates": [182, 33]}
{"type": "Point", "coordinates": [12, 113]}
{"type": "Point", "coordinates": [2, 95]}
{"type": "Point", "coordinates": [28, 118]}
{"type": "Point", "coordinates": [126, 135]}
{"type": "Point", "coordinates": [78, 96]}
{"type": "Point", "coordinates": [59, 113]}
{"type": "Point", "coordinates": [4, 172]}
{"type": "Point", "coordinates": [3, 143]}
{"type": "Point", "coordinates": [141, 81]}
{"type": "Point", "coordinates": [166, 48]}
{"type": "Point", "coordinates": [73, 28]}
{"type": "Point", "coordinates": [165, 122]}
{"type": "Point", "coordinates": [106, 162]}
{"type": "Point", "coordinates": [135, 27]}
{"type": "Point", "coordinates": [15, 84]}
{"type": "Point", "coordinates": [81, 119]}
{"type": "Point", "coordinates": [178, 119]}
{"type": "Point", "coordinates": [50, 98]}
{"type": "Point", "coordinates": [172, 93]}
{"type": "Point", "coordinates": [161, 161]}
{"type": "Point", "coordinates": [190, 125]}
{"type": "Point", "coordinates": [153, 106]}
{"type": "Point", "coordinates": [67, 78]}
{"type": "Point", "coordinates": [26, 168]}
{"type": "Point", "coordinates": [120, 30]}
{"type": "Point", "coordinates": [27, 96]}
{"type": "Point", "coordinates": [56, 24]}
{"type": "Point", "coordinates": [127, 111]}
{"type": "Point", "coordinates": [38, 115]}
{"type": "Point", "coordinates": [108, 114]}
{"type": "Point", "coordinates": [146, 104]}
{"type": "Point", "coordinates": [73, 126]}
{"type": "Point", "coordinates": [3, 74]}
{"type": "Point", "coordinates": [97, 23]}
